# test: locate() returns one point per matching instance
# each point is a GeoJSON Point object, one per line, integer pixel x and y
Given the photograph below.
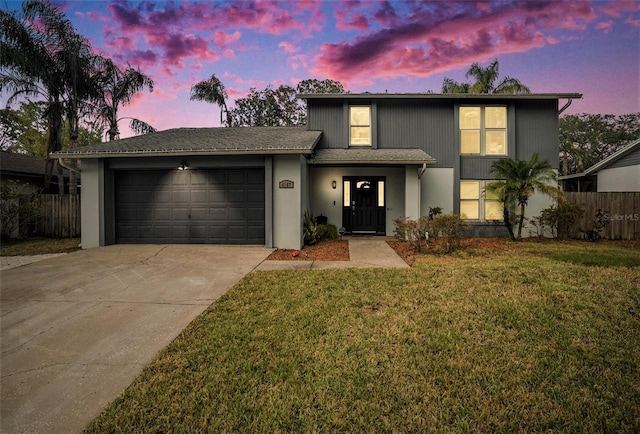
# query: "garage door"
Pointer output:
{"type": "Point", "coordinates": [190, 206]}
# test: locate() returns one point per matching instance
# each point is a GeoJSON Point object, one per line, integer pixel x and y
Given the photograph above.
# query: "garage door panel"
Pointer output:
{"type": "Point", "coordinates": [199, 214]}
{"type": "Point", "coordinates": [190, 206]}
{"type": "Point", "coordinates": [237, 196]}
{"type": "Point", "coordinates": [180, 177]}
{"type": "Point", "coordinates": [199, 195]}
{"type": "Point", "coordinates": [237, 177]}
{"type": "Point", "coordinates": [218, 214]}
{"type": "Point", "coordinates": [256, 196]}
{"type": "Point", "coordinates": [218, 196]}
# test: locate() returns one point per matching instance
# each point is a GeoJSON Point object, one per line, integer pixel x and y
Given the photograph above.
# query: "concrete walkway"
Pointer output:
{"type": "Point", "coordinates": [364, 252]}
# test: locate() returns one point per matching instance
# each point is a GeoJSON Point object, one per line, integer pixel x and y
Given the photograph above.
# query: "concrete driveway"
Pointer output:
{"type": "Point", "coordinates": [77, 329]}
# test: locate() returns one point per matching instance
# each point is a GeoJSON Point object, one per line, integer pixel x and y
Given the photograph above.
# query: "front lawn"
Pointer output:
{"type": "Point", "coordinates": [538, 337]}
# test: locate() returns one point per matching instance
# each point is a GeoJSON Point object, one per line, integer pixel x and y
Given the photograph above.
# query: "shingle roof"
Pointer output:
{"type": "Point", "coordinates": [21, 163]}
{"type": "Point", "coordinates": [445, 96]}
{"type": "Point", "coordinates": [205, 141]}
{"type": "Point", "coordinates": [371, 156]}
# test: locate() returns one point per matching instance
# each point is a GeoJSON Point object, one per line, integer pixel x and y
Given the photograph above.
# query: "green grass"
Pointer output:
{"type": "Point", "coordinates": [39, 246]}
{"type": "Point", "coordinates": [529, 339]}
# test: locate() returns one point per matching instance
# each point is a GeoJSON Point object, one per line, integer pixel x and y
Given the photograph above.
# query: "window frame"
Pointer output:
{"type": "Point", "coordinates": [354, 125]}
{"type": "Point", "coordinates": [483, 131]}
{"type": "Point", "coordinates": [481, 200]}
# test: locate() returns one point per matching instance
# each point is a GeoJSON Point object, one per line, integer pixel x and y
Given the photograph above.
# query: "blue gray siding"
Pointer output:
{"type": "Point", "coordinates": [631, 159]}
{"type": "Point", "coordinates": [431, 125]}
{"type": "Point", "coordinates": [537, 130]}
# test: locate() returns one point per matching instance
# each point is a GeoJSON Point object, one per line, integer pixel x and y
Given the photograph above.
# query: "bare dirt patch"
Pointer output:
{"type": "Point", "coordinates": [322, 251]}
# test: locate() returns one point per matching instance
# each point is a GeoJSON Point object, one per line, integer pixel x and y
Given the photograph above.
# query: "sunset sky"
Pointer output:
{"type": "Point", "coordinates": [589, 47]}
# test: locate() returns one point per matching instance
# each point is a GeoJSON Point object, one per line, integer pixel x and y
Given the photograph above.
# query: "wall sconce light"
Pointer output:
{"type": "Point", "coordinates": [183, 165]}
{"type": "Point", "coordinates": [334, 184]}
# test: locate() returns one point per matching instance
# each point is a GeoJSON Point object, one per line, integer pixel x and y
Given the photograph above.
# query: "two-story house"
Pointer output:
{"type": "Point", "coordinates": [362, 161]}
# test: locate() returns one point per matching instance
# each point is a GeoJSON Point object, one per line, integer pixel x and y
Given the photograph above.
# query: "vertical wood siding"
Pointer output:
{"type": "Point", "coordinates": [537, 130]}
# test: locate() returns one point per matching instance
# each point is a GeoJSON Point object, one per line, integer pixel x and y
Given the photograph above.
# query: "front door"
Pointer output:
{"type": "Point", "coordinates": [363, 205]}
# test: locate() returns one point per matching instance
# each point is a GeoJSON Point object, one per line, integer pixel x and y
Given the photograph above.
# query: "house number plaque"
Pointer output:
{"type": "Point", "coordinates": [286, 184]}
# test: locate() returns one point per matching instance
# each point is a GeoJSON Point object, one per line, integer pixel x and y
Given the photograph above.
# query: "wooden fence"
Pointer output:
{"type": "Point", "coordinates": [60, 215]}
{"type": "Point", "coordinates": [621, 211]}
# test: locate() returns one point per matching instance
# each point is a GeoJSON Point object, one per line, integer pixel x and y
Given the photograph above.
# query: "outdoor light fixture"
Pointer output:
{"type": "Point", "coordinates": [183, 165]}
{"type": "Point", "coordinates": [333, 184]}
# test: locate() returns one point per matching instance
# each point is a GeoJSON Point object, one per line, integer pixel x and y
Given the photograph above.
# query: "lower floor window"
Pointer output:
{"type": "Point", "coordinates": [478, 203]}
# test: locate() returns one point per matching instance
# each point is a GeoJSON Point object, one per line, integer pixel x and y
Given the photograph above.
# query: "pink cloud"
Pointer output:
{"type": "Point", "coordinates": [605, 26]}
{"type": "Point", "coordinates": [179, 32]}
{"type": "Point", "coordinates": [288, 47]}
{"type": "Point", "coordinates": [436, 37]}
{"type": "Point", "coordinates": [616, 9]}
{"type": "Point", "coordinates": [347, 21]}
{"type": "Point", "coordinates": [633, 22]}
{"type": "Point", "coordinates": [223, 39]}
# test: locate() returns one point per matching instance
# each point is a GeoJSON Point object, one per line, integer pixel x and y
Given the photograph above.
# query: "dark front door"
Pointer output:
{"type": "Point", "coordinates": [364, 196]}
{"type": "Point", "coordinates": [364, 208]}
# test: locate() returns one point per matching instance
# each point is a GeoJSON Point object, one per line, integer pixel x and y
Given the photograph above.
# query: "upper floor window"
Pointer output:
{"type": "Point", "coordinates": [483, 130]}
{"type": "Point", "coordinates": [360, 126]}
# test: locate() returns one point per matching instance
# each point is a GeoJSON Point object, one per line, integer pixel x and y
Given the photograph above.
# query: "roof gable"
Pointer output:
{"type": "Point", "coordinates": [615, 157]}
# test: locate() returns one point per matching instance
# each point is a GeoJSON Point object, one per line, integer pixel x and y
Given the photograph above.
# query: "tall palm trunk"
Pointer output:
{"type": "Point", "coordinates": [521, 222]}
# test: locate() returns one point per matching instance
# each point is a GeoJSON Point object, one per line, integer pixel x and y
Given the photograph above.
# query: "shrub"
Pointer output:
{"type": "Point", "coordinates": [327, 232]}
{"type": "Point", "coordinates": [600, 222]}
{"type": "Point", "coordinates": [19, 210]}
{"type": "Point", "coordinates": [449, 227]}
{"type": "Point", "coordinates": [559, 219]}
{"type": "Point", "coordinates": [414, 231]}
{"type": "Point", "coordinates": [310, 228]}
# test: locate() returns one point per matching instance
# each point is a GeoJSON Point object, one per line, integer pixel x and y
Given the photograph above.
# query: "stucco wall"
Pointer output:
{"type": "Point", "coordinates": [619, 179]}
{"type": "Point", "coordinates": [288, 202]}
{"type": "Point", "coordinates": [437, 190]}
{"type": "Point", "coordinates": [92, 199]}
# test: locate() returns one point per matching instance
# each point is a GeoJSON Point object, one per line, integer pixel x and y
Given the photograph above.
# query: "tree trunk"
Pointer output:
{"type": "Point", "coordinates": [507, 222]}
{"type": "Point", "coordinates": [521, 222]}
{"type": "Point", "coordinates": [73, 144]}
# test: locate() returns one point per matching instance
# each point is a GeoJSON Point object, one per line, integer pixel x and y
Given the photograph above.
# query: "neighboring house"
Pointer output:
{"type": "Point", "coordinates": [362, 161]}
{"type": "Point", "coordinates": [618, 172]}
{"type": "Point", "coordinates": [26, 169]}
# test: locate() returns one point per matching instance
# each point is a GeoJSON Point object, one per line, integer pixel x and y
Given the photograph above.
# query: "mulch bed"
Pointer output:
{"type": "Point", "coordinates": [321, 251]}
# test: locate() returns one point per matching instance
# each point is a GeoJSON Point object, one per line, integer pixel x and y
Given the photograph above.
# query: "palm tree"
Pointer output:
{"type": "Point", "coordinates": [521, 179]}
{"type": "Point", "coordinates": [118, 87]}
{"type": "Point", "coordinates": [212, 91]}
{"type": "Point", "coordinates": [42, 57]}
{"type": "Point", "coordinates": [485, 79]}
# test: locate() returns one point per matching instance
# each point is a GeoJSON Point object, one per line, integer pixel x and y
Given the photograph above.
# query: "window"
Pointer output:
{"type": "Point", "coordinates": [478, 203]}
{"type": "Point", "coordinates": [483, 130]}
{"type": "Point", "coordinates": [360, 126]}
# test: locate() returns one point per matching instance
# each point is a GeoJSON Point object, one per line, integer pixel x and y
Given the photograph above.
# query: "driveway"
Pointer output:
{"type": "Point", "coordinates": [76, 329]}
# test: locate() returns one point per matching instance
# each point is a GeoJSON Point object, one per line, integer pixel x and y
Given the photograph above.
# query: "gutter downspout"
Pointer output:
{"type": "Point", "coordinates": [566, 106]}
{"type": "Point", "coordinates": [422, 170]}
{"type": "Point", "coordinates": [63, 164]}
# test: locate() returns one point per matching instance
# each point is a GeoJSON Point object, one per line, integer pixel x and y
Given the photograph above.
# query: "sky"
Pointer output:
{"type": "Point", "coordinates": [587, 47]}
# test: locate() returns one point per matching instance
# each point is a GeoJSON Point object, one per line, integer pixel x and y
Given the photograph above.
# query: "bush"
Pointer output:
{"type": "Point", "coordinates": [327, 232]}
{"type": "Point", "coordinates": [559, 219]}
{"type": "Point", "coordinates": [414, 231]}
{"type": "Point", "coordinates": [19, 210]}
{"type": "Point", "coordinates": [449, 227]}
{"type": "Point", "coordinates": [310, 228]}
